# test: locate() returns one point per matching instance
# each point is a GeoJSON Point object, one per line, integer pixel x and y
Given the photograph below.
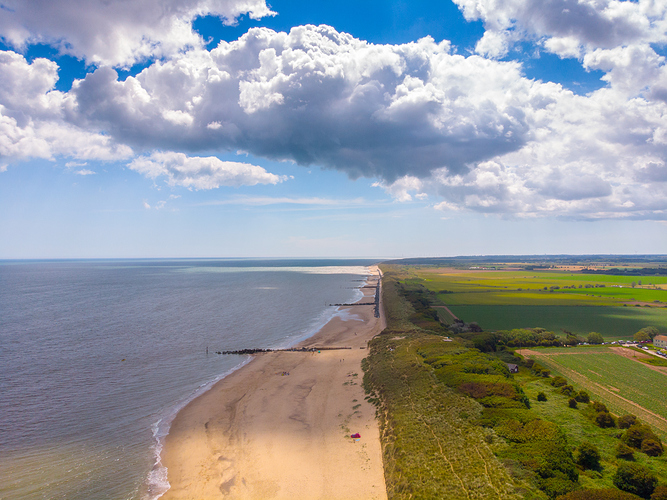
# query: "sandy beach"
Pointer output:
{"type": "Point", "coordinates": [279, 428]}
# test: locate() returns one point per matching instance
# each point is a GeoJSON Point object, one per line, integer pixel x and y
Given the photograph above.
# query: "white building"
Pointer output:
{"type": "Point", "coordinates": [660, 341]}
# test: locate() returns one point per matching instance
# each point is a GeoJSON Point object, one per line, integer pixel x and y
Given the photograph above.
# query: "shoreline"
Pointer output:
{"type": "Point", "coordinates": [280, 426]}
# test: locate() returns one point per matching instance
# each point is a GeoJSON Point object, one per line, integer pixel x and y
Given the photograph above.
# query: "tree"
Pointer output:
{"type": "Point", "coordinates": [651, 331]}
{"type": "Point", "coordinates": [594, 338]}
{"type": "Point", "coordinates": [541, 396]}
{"type": "Point", "coordinates": [599, 407]}
{"type": "Point", "coordinates": [641, 336]}
{"type": "Point", "coordinates": [582, 397]}
{"type": "Point", "coordinates": [651, 447]}
{"type": "Point", "coordinates": [604, 420]}
{"type": "Point", "coordinates": [636, 479]}
{"type": "Point", "coordinates": [588, 456]}
{"type": "Point", "coordinates": [626, 421]}
{"type": "Point", "coordinates": [572, 403]}
{"type": "Point", "coordinates": [636, 434]}
{"type": "Point", "coordinates": [568, 390]}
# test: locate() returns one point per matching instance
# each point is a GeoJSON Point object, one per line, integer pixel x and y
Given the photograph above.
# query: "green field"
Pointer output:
{"type": "Point", "coordinates": [614, 323]}
{"type": "Point", "coordinates": [551, 299]}
{"type": "Point", "coordinates": [579, 428]}
{"type": "Point", "coordinates": [528, 287]}
{"type": "Point", "coordinates": [623, 384]}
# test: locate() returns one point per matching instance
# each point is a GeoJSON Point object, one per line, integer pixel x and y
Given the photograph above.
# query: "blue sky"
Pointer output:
{"type": "Point", "coordinates": [191, 128]}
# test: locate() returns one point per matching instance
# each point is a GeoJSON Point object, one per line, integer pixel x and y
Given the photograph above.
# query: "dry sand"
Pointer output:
{"type": "Point", "coordinates": [258, 434]}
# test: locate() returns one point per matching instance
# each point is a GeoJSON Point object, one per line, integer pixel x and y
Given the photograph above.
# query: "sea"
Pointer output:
{"type": "Point", "coordinates": [98, 356]}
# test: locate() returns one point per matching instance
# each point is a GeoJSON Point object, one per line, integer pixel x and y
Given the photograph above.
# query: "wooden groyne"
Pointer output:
{"type": "Point", "coordinates": [290, 349]}
{"type": "Point", "coordinates": [355, 304]}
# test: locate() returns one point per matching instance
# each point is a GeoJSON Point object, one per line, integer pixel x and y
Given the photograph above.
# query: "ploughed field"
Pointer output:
{"type": "Point", "coordinates": [553, 299]}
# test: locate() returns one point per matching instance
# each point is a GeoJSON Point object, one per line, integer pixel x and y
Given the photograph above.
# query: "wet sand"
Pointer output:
{"type": "Point", "coordinates": [263, 434]}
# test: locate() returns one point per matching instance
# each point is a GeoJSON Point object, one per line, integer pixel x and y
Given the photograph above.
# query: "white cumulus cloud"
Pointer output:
{"type": "Point", "coordinates": [116, 32]}
{"type": "Point", "coordinates": [34, 117]}
{"type": "Point", "coordinates": [201, 173]}
{"type": "Point", "coordinates": [317, 96]}
{"type": "Point", "coordinates": [567, 26]}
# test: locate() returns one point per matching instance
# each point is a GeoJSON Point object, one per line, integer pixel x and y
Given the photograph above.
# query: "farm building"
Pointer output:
{"type": "Point", "coordinates": [515, 368]}
{"type": "Point", "coordinates": [660, 341]}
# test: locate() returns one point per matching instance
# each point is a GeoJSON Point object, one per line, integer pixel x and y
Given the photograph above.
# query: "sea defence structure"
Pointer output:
{"type": "Point", "coordinates": [290, 349]}
{"type": "Point", "coordinates": [375, 303]}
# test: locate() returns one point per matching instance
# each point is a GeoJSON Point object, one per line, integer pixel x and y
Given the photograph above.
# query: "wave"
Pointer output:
{"type": "Point", "coordinates": [157, 480]}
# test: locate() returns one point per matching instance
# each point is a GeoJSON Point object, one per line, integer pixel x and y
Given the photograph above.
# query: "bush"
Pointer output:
{"type": "Point", "coordinates": [558, 381]}
{"type": "Point", "coordinates": [637, 433]}
{"type": "Point", "coordinates": [599, 407]}
{"type": "Point", "coordinates": [624, 452]}
{"type": "Point", "coordinates": [605, 494]}
{"type": "Point", "coordinates": [582, 397]}
{"type": "Point", "coordinates": [588, 456]}
{"type": "Point", "coordinates": [652, 447]}
{"type": "Point", "coordinates": [660, 493]}
{"type": "Point", "coordinates": [541, 396]}
{"type": "Point", "coordinates": [626, 421]}
{"type": "Point", "coordinates": [605, 420]}
{"type": "Point", "coordinates": [636, 479]}
{"type": "Point", "coordinates": [572, 403]}
{"type": "Point", "coordinates": [568, 390]}
{"type": "Point", "coordinates": [557, 486]}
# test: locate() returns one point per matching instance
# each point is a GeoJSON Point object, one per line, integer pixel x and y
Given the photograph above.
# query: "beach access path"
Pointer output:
{"type": "Point", "coordinates": [262, 434]}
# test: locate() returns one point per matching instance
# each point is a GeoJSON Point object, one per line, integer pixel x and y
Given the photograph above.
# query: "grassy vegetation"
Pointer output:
{"type": "Point", "coordinates": [456, 424]}
{"type": "Point", "coordinates": [580, 427]}
{"type": "Point", "coordinates": [433, 446]}
{"type": "Point", "coordinates": [622, 384]}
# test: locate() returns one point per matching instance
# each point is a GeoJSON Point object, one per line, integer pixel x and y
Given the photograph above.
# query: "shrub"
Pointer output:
{"type": "Point", "coordinates": [568, 390]}
{"type": "Point", "coordinates": [651, 447]}
{"type": "Point", "coordinates": [558, 381]}
{"type": "Point", "coordinates": [605, 420]}
{"type": "Point", "coordinates": [572, 403]}
{"type": "Point", "coordinates": [588, 456]}
{"type": "Point", "coordinates": [660, 493]}
{"type": "Point", "coordinates": [605, 494]}
{"type": "Point", "coordinates": [636, 479]}
{"type": "Point", "coordinates": [637, 433]}
{"type": "Point", "coordinates": [624, 452]}
{"type": "Point", "coordinates": [557, 486]}
{"type": "Point", "coordinates": [626, 421]}
{"type": "Point", "coordinates": [599, 407]}
{"type": "Point", "coordinates": [582, 397]}
{"type": "Point", "coordinates": [541, 396]}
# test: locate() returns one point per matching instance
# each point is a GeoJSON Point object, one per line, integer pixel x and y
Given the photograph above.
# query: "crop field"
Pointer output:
{"type": "Point", "coordinates": [614, 323]}
{"type": "Point", "coordinates": [551, 299]}
{"type": "Point", "coordinates": [623, 384]}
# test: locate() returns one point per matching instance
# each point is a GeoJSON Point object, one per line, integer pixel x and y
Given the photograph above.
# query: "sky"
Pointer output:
{"type": "Point", "coordinates": [245, 128]}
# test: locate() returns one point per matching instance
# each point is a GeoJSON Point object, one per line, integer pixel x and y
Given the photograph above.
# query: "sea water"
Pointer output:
{"type": "Point", "coordinates": [96, 358]}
